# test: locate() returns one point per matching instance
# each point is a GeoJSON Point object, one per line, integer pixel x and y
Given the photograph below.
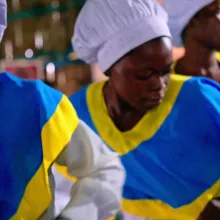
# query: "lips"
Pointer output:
{"type": "Point", "coordinates": [153, 98]}
{"type": "Point", "coordinates": [151, 101]}
{"type": "Point", "coordinates": [155, 101]}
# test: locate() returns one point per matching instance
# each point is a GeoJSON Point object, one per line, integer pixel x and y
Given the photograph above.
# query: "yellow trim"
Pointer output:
{"type": "Point", "coordinates": [123, 142]}
{"type": "Point", "coordinates": [63, 171]}
{"type": "Point", "coordinates": [55, 135]}
{"type": "Point", "coordinates": [159, 210]}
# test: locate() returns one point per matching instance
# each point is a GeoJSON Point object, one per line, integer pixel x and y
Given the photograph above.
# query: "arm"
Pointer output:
{"type": "Point", "coordinates": [97, 193]}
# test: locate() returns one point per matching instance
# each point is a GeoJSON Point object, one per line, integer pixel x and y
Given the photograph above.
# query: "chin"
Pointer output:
{"type": "Point", "coordinates": [147, 107]}
{"type": "Point", "coordinates": [153, 106]}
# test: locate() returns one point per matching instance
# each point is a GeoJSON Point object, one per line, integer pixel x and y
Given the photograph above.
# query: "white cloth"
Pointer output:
{"type": "Point", "coordinates": [63, 187]}
{"type": "Point", "coordinates": [106, 30]}
{"type": "Point", "coordinates": [97, 193]}
{"type": "Point", "coordinates": [128, 216]}
{"type": "Point", "coordinates": [3, 17]}
{"type": "Point", "coordinates": [180, 12]}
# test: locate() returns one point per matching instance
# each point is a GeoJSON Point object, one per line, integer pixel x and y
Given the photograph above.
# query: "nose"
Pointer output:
{"type": "Point", "coordinates": [158, 82]}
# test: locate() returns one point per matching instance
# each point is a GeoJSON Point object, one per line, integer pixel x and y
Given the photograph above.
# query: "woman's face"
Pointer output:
{"type": "Point", "coordinates": [141, 77]}
{"type": "Point", "coordinates": [207, 25]}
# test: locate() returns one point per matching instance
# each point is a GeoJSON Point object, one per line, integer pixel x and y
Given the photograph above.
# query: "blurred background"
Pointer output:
{"type": "Point", "coordinates": [37, 44]}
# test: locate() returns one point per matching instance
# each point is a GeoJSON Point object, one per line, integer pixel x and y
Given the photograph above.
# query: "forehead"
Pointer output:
{"type": "Point", "coordinates": [209, 8]}
{"type": "Point", "coordinates": [156, 54]}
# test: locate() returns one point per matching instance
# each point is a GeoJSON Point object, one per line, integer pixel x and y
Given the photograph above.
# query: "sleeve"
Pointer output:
{"type": "Point", "coordinates": [97, 192]}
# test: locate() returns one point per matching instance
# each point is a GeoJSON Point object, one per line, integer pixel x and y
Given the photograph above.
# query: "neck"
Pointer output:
{"type": "Point", "coordinates": [198, 60]}
{"type": "Point", "coordinates": [124, 116]}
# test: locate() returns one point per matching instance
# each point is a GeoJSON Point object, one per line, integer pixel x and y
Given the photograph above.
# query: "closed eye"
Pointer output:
{"type": "Point", "coordinates": [139, 77]}
{"type": "Point", "coordinates": [144, 77]}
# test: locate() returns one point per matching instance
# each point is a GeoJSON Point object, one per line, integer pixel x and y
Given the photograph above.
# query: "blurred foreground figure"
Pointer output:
{"type": "Point", "coordinates": [196, 26]}
{"type": "Point", "coordinates": [38, 127]}
{"type": "Point", "coordinates": [166, 128]}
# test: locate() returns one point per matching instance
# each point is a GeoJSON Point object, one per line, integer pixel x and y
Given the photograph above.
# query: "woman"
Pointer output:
{"type": "Point", "coordinates": [166, 128]}
{"type": "Point", "coordinates": [196, 26]}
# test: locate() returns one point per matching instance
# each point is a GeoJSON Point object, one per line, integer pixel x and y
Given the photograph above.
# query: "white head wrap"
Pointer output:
{"type": "Point", "coordinates": [106, 30]}
{"type": "Point", "coordinates": [180, 12]}
{"type": "Point", "coordinates": [3, 17]}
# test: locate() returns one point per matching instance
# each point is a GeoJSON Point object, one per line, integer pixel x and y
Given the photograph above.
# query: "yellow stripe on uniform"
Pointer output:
{"type": "Point", "coordinates": [55, 135]}
{"type": "Point", "coordinates": [157, 209]}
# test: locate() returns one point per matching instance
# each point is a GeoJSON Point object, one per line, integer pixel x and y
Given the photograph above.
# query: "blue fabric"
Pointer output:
{"type": "Point", "coordinates": [78, 100]}
{"type": "Point", "coordinates": [25, 106]}
{"type": "Point", "coordinates": [182, 160]}
{"type": "Point", "coordinates": [190, 139]}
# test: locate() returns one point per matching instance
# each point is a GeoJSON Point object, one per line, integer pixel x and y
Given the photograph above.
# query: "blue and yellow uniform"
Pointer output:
{"type": "Point", "coordinates": [172, 155]}
{"type": "Point", "coordinates": [37, 122]}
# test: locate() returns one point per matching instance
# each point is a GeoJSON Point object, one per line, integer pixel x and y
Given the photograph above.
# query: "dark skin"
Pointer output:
{"type": "Point", "coordinates": [201, 40]}
{"type": "Point", "coordinates": [138, 82]}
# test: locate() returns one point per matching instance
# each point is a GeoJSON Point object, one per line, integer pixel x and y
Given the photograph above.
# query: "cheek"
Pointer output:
{"type": "Point", "coordinates": [123, 85]}
{"type": "Point", "coordinates": [218, 16]}
{"type": "Point", "coordinates": [216, 24]}
{"type": "Point", "coordinates": [157, 82]}
{"type": "Point", "coordinates": [213, 29]}
{"type": "Point", "coordinates": [167, 79]}
{"type": "Point", "coordinates": [130, 90]}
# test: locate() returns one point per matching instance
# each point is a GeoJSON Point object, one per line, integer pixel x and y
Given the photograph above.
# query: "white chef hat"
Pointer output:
{"type": "Point", "coordinates": [3, 17]}
{"type": "Point", "coordinates": [180, 12]}
{"type": "Point", "coordinates": [106, 30]}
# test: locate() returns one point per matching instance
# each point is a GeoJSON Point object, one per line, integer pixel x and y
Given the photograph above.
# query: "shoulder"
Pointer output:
{"type": "Point", "coordinates": [12, 83]}
{"type": "Point", "coordinates": [34, 89]}
{"type": "Point", "coordinates": [85, 97]}
{"type": "Point", "coordinates": [55, 109]}
{"type": "Point", "coordinates": [33, 97]}
{"type": "Point", "coordinates": [19, 95]}
{"type": "Point", "coordinates": [200, 96]}
{"type": "Point", "coordinates": [202, 90]}
{"type": "Point", "coordinates": [198, 90]}
{"type": "Point", "coordinates": [79, 97]}
{"type": "Point", "coordinates": [48, 99]}
{"type": "Point", "coordinates": [89, 90]}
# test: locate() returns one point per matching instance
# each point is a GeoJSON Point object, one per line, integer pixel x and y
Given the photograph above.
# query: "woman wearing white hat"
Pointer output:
{"type": "Point", "coordinates": [166, 128]}
{"type": "Point", "coordinates": [195, 25]}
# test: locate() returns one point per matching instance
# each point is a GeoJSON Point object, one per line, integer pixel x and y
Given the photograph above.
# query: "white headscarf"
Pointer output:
{"type": "Point", "coordinates": [106, 30]}
{"type": "Point", "coordinates": [180, 12]}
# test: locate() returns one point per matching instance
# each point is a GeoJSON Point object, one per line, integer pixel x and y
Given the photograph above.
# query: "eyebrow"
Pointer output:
{"type": "Point", "coordinates": [154, 70]}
